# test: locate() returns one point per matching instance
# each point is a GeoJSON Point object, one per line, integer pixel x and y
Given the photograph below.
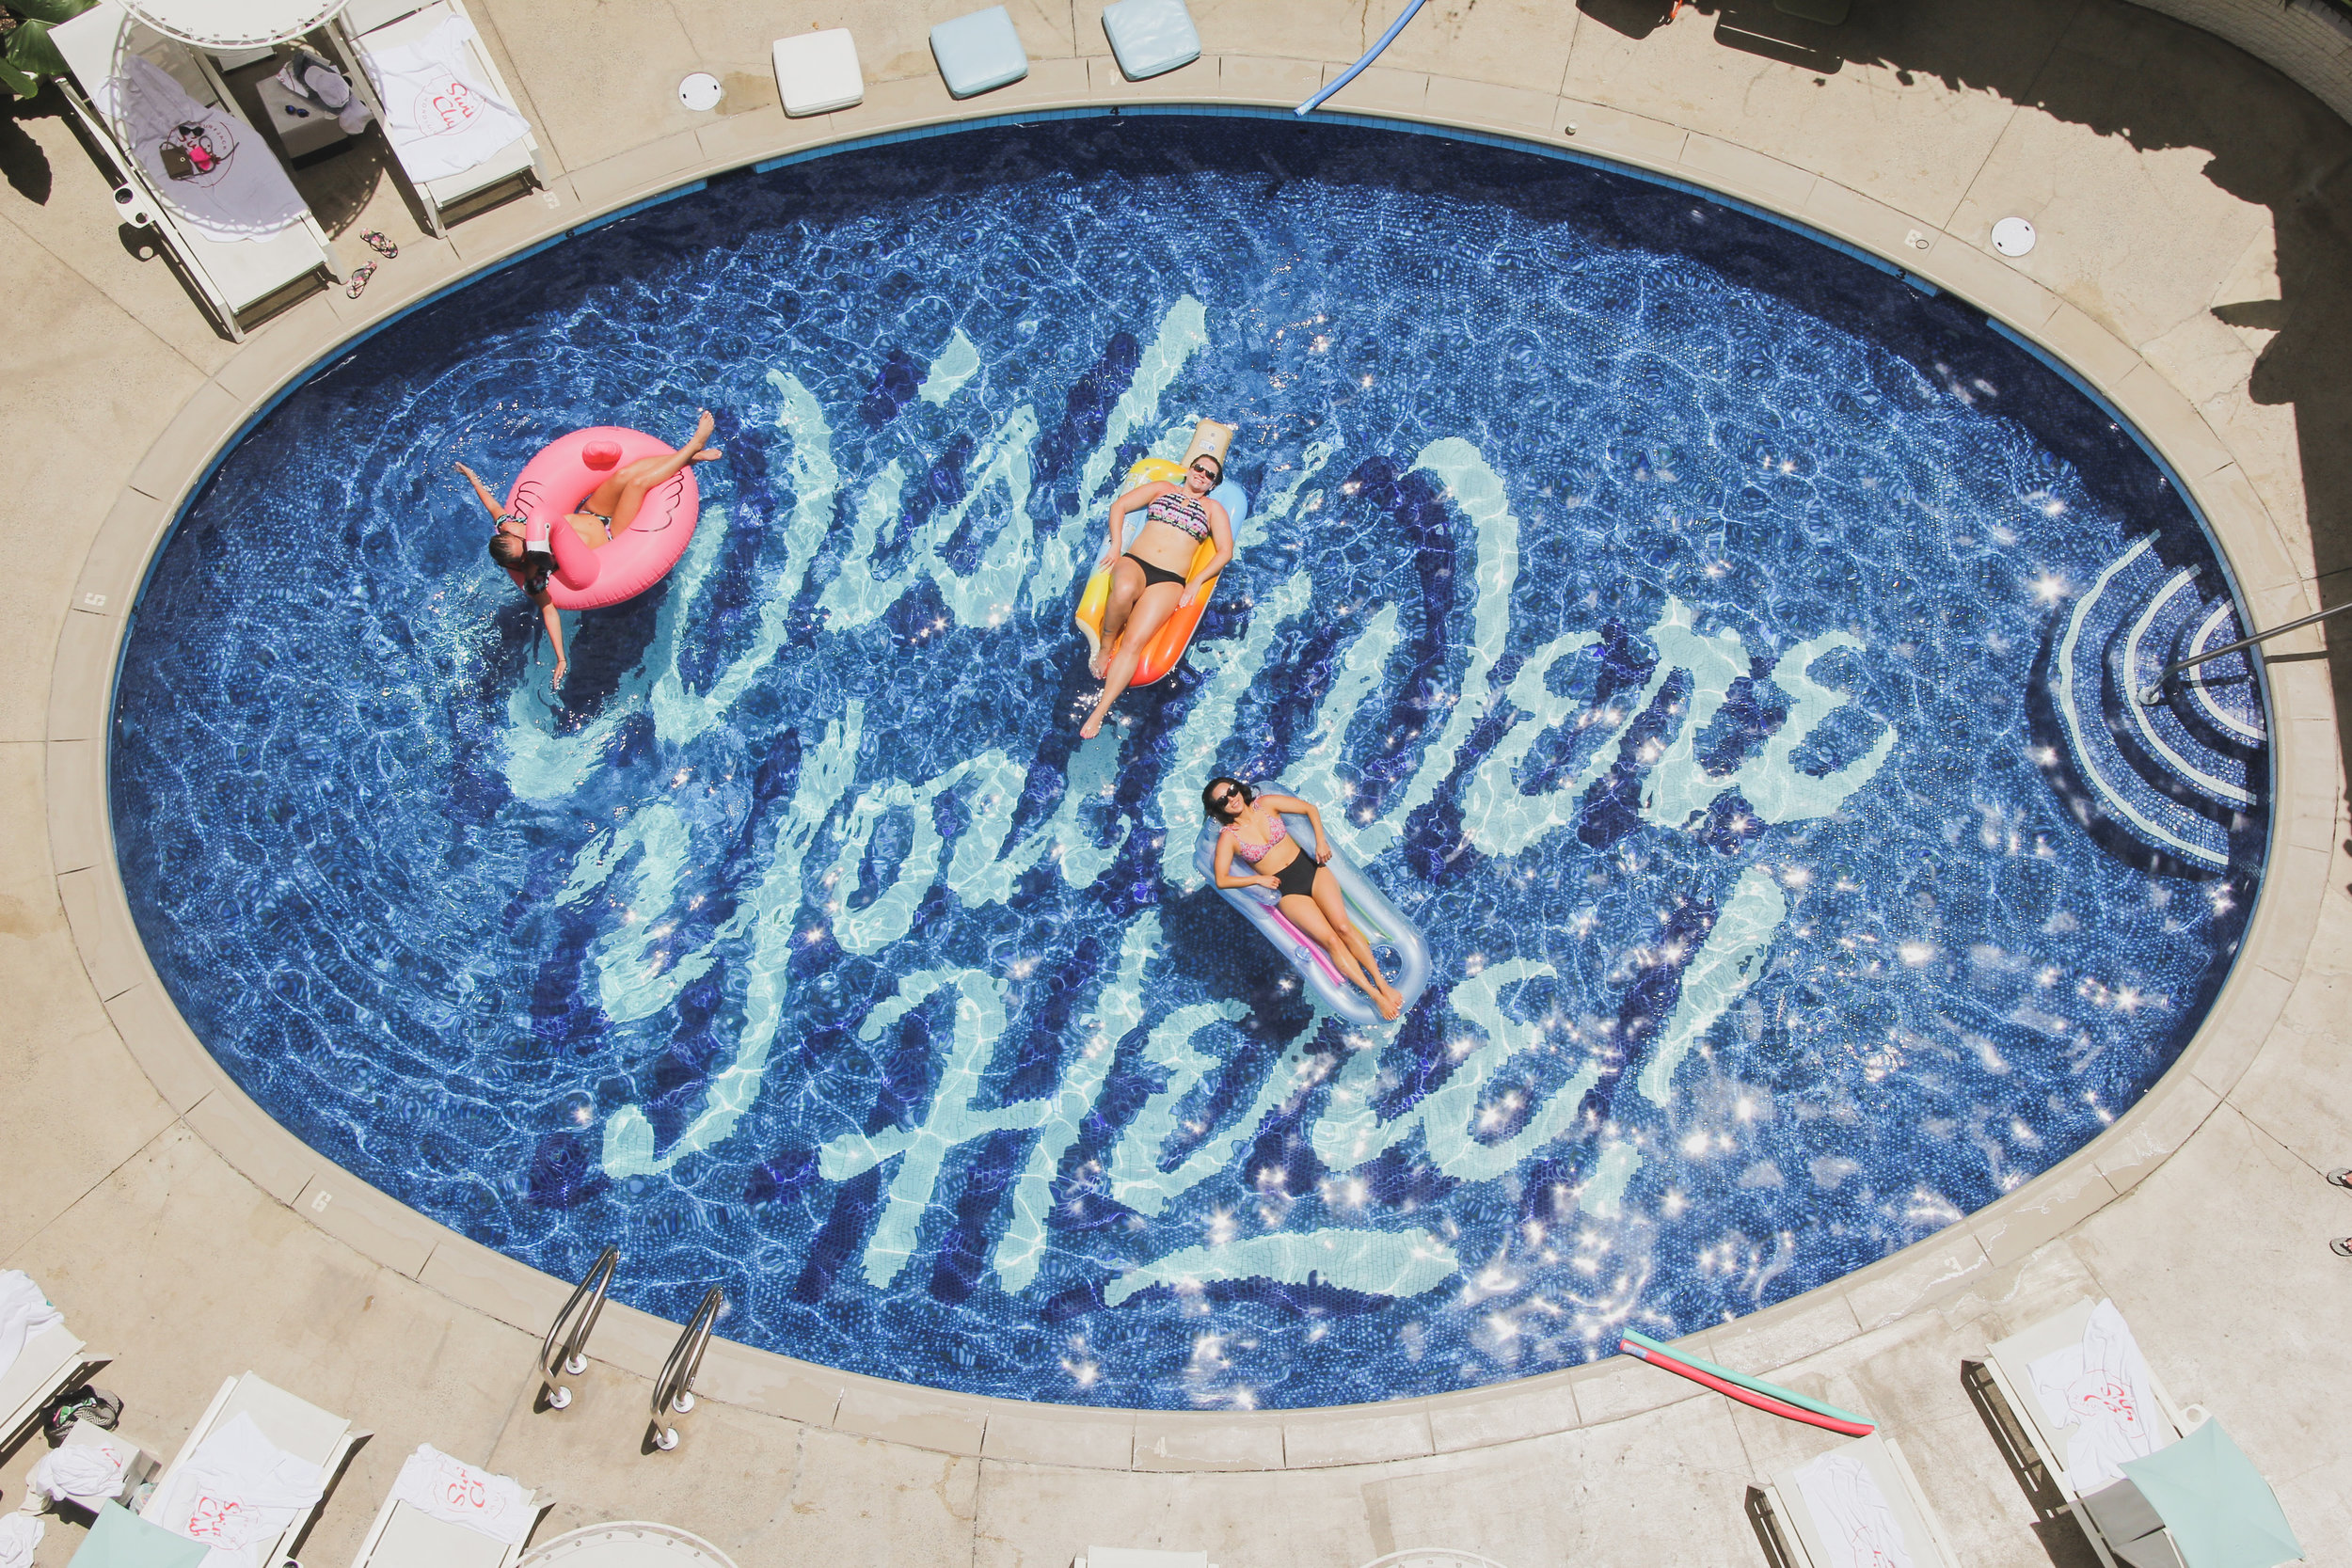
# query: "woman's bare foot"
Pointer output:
{"type": "Point", "coordinates": [1389, 1004]}
{"type": "Point", "coordinates": [708, 454]}
{"type": "Point", "coordinates": [1092, 727]}
{"type": "Point", "coordinates": [1101, 662]}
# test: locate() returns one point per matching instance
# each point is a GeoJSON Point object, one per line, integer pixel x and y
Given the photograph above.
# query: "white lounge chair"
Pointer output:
{"type": "Point", "coordinates": [1849, 1506]}
{"type": "Point", "coordinates": [2087, 1399]}
{"type": "Point", "coordinates": [294, 1426]}
{"type": "Point", "coordinates": [367, 34]}
{"type": "Point", "coordinates": [467, 1518]}
{"type": "Point", "coordinates": [51, 1362]}
{"type": "Point", "coordinates": [237, 230]}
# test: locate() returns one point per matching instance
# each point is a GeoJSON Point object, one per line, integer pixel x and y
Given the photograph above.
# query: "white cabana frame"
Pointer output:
{"type": "Point", "coordinates": [233, 280]}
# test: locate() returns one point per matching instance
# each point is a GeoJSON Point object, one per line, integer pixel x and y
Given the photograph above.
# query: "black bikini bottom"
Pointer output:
{"type": "Point", "coordinates": [1154, 576]}
{"type": "Point", "coordinates": [1297, 879]}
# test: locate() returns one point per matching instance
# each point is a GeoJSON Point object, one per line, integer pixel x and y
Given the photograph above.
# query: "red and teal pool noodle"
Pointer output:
{"type": "Point", "coordinates": [1765, 1402]}
{"type": "Point", "coordinates": [1754, 1385]}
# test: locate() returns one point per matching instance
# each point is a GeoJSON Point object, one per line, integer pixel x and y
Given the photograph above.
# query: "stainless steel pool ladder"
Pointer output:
{"type": "Point", "coordinates": [2152, 693]}
{"type": "Point", "coordinates": [674, 1390]}
{"type": "Point", "coordinates": [563, 1353]}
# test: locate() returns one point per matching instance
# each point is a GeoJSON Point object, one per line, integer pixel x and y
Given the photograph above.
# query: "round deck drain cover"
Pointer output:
{"type": "Point", "coordinates": [2012, 236]}
{"type": "Point", "coordinates": [633, 1543]}
{"type": "Point", "coordinates": [700, 91]}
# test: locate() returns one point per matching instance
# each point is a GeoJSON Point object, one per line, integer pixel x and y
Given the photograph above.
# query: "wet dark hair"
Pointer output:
{"type": "Point", "coordinates": [506, 550]}
{"type": "Point", "coordinates": [1208, 798]}
{"type": "Point", "coordinates": [1214, 458]}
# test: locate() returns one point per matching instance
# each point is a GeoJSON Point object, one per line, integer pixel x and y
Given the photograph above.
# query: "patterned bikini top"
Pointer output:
{"type": "Point", "coordinates": [1180, 509]}
{"type": "Point", "coordinates": [1254, 853]}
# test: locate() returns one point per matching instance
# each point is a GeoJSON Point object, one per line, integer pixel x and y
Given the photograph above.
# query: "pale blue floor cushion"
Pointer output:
{"type": "Point", "coordinates": [980, 52]}
{"type": "Point", "coordinates": [1150, 37]}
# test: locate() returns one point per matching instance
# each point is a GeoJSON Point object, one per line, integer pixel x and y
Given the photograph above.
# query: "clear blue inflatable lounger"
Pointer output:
{"type": "Point", "coordinates": [1406, 962]}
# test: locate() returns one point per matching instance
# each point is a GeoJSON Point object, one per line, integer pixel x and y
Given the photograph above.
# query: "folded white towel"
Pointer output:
{"type": "Point", "coordinates": [453, 1490]}
{"type": "Point", "coordinates": [23, 1313]}
{"type": "Point", "coordinates": [442, 117]}
{"type": "Point", "coordinates": [19, 1534]}
{"type": "Point", "coordinates": [236, 1493]}
{"type": "Point", "coordinates": [237, 189]}
{"type": "Point", "coordinates": [84, 1473]}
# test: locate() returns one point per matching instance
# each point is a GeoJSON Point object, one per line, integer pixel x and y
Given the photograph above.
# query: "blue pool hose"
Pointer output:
{"type": "Point", "coordinates": [1370, 55]}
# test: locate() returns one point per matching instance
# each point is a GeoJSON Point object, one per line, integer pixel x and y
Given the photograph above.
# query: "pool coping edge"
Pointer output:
{"type": "Point", "coordinates": [282, 353]}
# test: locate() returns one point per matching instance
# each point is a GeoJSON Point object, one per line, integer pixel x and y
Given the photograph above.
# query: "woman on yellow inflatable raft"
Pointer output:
{"type": "Point", "coordinates": [1143, 601]}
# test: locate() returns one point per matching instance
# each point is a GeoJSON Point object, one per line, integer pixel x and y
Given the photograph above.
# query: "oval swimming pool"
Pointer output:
{"type": "Point", "coordinates": [1719, 646]}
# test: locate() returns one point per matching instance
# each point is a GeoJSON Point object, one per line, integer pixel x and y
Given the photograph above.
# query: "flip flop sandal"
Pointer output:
{"type": "Point", "coordinates": [375, 240]}
{"type": "Point", "coordinates": [2340, 1176]}
{"type": "Point", "coordinates": [359, 283]}
{"type": "Point", "coordinates": [2341, 1246]}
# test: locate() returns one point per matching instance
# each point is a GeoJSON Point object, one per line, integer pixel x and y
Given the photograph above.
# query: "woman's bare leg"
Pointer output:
{"type": "Point", "coordinates": [620, 497]}
{"type": "Point", "coordinates": [1305, 914]}
{"type": "Point", "coordinates": [1126, 588]}
{"type": "Point", "coordinates": [1332, 901]}
{"type": "Point", "coordinates": [1158, 602]}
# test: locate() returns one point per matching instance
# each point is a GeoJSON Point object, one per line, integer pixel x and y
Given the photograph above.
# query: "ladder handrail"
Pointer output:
{"type": "Point", "coordinates": [2152, 693]}
{"type": "Point", "coordinates": [560, 1351]}
{"type": "Point", "coordinates": [674, 1390]}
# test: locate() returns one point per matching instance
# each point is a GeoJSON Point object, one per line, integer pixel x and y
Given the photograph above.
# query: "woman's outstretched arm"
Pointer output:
{"type": "Point", "coordinates": [553, 621]}
{"type": "Point", "coordinates": [483, 490]}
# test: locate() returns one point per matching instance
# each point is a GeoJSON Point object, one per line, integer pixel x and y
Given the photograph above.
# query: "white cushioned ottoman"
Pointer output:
{"type": "Point", "coordinates": [817, 73]}
{"type": "Point", "coordinates": [979, 53]}
{"type": "Point", "coordinates": [1151, 37]}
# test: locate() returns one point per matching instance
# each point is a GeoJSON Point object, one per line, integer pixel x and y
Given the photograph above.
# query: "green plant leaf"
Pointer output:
{"type": "Point", "coordinates": [18, 82]}
{"type": "Point", "coordinates": [50, 10]}
{"type": "Point", "coordinates": [32, 51]}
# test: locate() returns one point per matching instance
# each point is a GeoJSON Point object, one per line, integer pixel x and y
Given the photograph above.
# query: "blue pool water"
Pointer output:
{"type": "Point", "coordinates": [1672, 613]}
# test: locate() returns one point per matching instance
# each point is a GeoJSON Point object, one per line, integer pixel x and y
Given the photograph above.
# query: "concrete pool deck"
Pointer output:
{"type": "Point", "coordinates": [2194, 209]}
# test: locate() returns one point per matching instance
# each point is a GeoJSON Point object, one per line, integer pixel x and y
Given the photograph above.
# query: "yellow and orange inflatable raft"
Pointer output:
{"type": "Point", "coordinates": [1168, 646]}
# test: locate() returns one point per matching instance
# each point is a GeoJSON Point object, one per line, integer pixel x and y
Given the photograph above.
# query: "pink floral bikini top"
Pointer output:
{"type": "Point", "coordinates": [1254, 853]}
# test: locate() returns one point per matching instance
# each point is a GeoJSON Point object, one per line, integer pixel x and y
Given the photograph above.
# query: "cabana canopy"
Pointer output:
{"type": "Point", "coordinates": [225, 25]}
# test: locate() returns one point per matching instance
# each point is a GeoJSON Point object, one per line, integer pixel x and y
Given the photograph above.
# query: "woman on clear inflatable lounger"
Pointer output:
{"type": "Point", "coordinates": [1310, 897]}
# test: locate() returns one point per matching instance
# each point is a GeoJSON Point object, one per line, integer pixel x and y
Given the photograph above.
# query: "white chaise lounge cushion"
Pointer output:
{"type": "Point", "coordinates": [1151, 37]}
{"type": "Point", "coordinates": [979, 53]}
{"type": "Point", "coordinates": [817, 73]}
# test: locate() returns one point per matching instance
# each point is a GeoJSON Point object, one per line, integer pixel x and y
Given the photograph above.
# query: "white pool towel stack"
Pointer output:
{"type": "Point", "coordinates": [441, 118]}
{"type": "Point", "coordinates": [23, 1313]}
{"type": "Point", "coordinates": [455, 1491]}
{"type": "Point", "coordinates": [1856, 1521]}
{"type": "Point", "coordinates": [236, 1493]}
{"type": "Point", "coordinates": [2100, 1387]}
{"type": "Point", "coordinates": [84, 1474]}
{"type": "Point", "coordinates": [236, 188]}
